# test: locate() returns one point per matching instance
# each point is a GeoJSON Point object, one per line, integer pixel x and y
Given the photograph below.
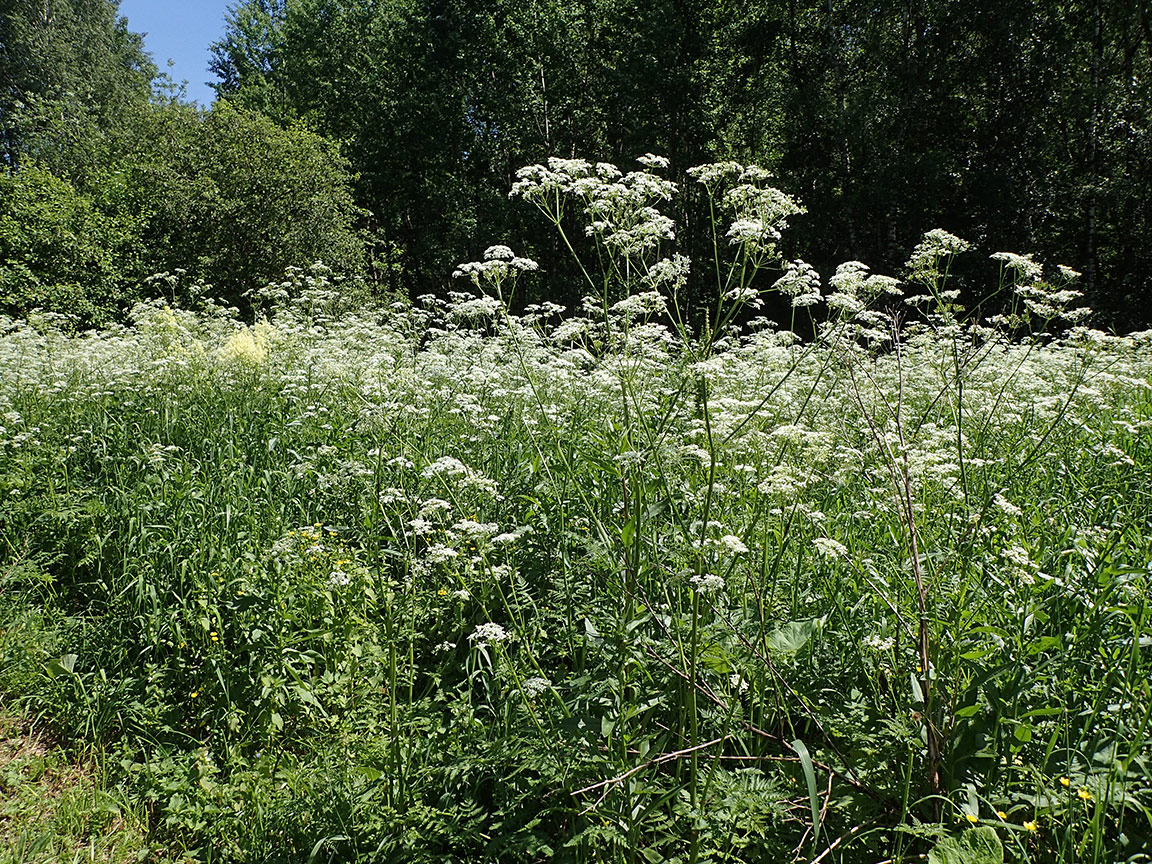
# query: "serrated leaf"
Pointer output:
{"type": "Point", "coordinates": [978, 845]}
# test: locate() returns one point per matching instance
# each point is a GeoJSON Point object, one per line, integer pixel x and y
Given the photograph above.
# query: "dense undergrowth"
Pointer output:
{"type": "Point", "coordinates": [445, 583]}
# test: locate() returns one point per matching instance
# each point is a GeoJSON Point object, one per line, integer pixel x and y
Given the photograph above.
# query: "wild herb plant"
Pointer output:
{"type": "Point", "coordinates": [460, 581]}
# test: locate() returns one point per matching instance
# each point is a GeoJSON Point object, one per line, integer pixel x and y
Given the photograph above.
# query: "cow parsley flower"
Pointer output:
{"type": "Point", "coordinates": [1023, 265]}
{"type": "Point", "coordinates": [650, 161]}
{"type": "Point", "coordinates": [799, 279]}
{"type": "Point", "coordinates": [535, 686]}
{"type": "Point", "coordinates": [489, 634]}
{"type": "Point", "coordinates": [733, 544]}
{"type": "Point", "coordinates": [935, 245]}
{"type": "Point", "coordinates": [830, 549]}
{"type": "Point", "coordinates": [708, 583]}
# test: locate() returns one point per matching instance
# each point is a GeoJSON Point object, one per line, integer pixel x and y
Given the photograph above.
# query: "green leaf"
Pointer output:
{"type": "Point", "coordinates": [305, 695]}
{"type": "Point", "coordinates": [810, 779]}
{"type": "Point", "coordinates": [978, 845]}
{"type": "Point", "coordinates": [791, 637]}
{"type": "Point", "coordinates": [64, 666]}
{"type": "Point", "coordinates": [917, 693]}
{"type": "Point", "coordinates": [629, 532]}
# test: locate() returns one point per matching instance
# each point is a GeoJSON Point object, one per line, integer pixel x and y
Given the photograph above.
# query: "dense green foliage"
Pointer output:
{"type": "Point", "coordinates": [108, 185]}
{"type": "Point", "coordinates": [60, 251]}
{"type": "Point", "coordinates": [234, 199]}
{"type": "Point", "coordinates": [224, 196]}
{"type": "Point", "coordinates": [1021, 125]}
{"type": "Point", "coordinates": [447, 583]}
{"type": "Point", "coordinates": [69, 68]}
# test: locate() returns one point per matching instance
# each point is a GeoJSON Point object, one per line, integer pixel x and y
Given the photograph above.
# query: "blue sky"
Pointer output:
{"type": "Point", "coordinates": [180, 30]}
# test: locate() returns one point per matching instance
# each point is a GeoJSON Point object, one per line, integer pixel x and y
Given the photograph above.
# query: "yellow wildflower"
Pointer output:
{"type": "Point", "coordinates": [1065, 782]}
{"type": "Point", "coordinates": [1002, 814]}
{"type": "Point", "coordinates": [972, 817]}
{"type": "Point", "coordinates": [1030, 826]}
{"type": "Point", "coordinates": [244, 346]}
{"type": "Point", "coordinates": [1085, 795]}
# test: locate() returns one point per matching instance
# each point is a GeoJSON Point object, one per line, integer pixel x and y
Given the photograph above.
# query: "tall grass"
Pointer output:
{"type": "Point", "coordinates": [447, 582]}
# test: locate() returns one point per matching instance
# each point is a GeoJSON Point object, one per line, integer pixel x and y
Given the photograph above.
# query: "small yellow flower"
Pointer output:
{"type": "Point", "coordinates": [972, 817]}
{"type": "Point", "coordinates": [1030, 826]}
{"type": "Point", "coordinates": [1065, 782]}
{"type": "Point", "coordinates": [1002, 814]}
{"type": "Point", "coordinates": [443, 592]}
{"type": "Point", "coordinates": [195, 693]}
{"type": "Point", "coordinates": [1085, 795]}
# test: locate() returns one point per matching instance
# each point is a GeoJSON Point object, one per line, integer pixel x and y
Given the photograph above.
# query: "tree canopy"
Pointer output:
{"type": "Point", "coordinates": [108, 182]}
{"type": "Point", "coordinates": [1019, 126]}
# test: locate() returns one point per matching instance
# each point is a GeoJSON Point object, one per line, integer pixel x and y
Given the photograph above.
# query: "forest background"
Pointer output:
{"type": "Point", "coordinates": [381, 136]}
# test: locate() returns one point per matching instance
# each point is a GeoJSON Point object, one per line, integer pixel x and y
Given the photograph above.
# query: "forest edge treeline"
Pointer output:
{"type": "Point", "coordinates": [381, 137]}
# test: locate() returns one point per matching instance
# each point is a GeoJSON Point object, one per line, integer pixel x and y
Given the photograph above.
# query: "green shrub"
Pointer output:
{"type": "Point", "coordinates": [60, 251]}
{"type": "Point", "coordinates": [233, 199]}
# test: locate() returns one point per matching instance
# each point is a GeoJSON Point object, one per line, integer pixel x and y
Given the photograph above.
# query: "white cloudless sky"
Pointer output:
{"type": "Point", "coordinates": [180, 31]}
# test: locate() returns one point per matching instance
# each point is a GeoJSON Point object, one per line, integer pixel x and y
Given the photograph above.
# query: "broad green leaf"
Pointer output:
{"type": "Point", "coordinates": [791, 637]}
{"type": "Point", "coordinates": [917, 693]}
{"type": "Point", "coordinates": [606, 726]}
{"type": "Point", "coordinates": [628, 532]}
{"type": "Point", "coordinates": [65, 665]}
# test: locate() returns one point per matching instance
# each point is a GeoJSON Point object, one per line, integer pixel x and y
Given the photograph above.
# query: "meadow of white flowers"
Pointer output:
{"type": "Point", "coordinates": [453, 581]}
